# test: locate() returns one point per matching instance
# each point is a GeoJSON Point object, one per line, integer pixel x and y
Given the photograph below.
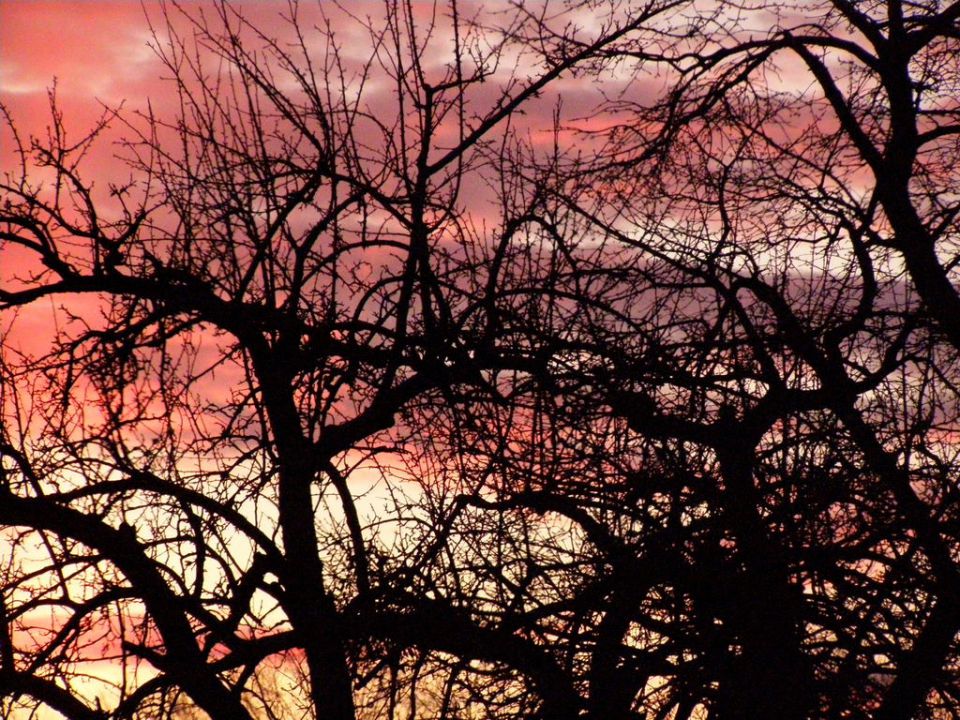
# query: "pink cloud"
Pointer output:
{"type": "Point", "coordinates": [93, 49]}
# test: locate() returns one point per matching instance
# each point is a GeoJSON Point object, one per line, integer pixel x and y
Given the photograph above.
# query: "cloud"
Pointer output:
{"type": "Point", "coordinates": [92, 49]}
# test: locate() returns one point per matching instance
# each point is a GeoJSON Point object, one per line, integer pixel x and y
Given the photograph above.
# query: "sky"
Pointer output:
{"type": "Point", "coordinates": [96, 51]}
{"type": "Point", "coordinates": [98, 55]}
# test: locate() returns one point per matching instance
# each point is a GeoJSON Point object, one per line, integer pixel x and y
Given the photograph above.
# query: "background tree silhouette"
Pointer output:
{"type": "Point", "coordinates": [772, 335]}
{"type": "Point", "coordinates": [375, 388]}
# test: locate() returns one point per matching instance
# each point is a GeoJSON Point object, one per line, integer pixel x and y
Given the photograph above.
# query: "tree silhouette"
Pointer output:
{"type": "Point", "coordinates": [760, 314]}
{"type": "Point", "coordinates": [376, 387]}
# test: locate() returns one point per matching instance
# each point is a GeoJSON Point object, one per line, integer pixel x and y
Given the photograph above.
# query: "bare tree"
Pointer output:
{"type": "Point", "coordinates": [200, 472]}
{"type": "Point", "coordinates": [369, 387]}
{"type": "Point", "coordinates": [749, 285]}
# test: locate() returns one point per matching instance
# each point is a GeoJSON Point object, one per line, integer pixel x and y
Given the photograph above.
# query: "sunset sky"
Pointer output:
{"type": "Point", "coordinates": [99, 54]}
{"type": "Point", "coordinates": [580, 353]}
{"type": "Point", "coordinates": [94, 50]}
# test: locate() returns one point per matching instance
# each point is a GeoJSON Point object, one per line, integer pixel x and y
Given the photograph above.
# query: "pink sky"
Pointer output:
{"type": "Point", "coordinates": [95, 50]}
{"type": "Point", "coordinates": [99, 53]}
{"type": "Point", "coordinates": [100, 56]}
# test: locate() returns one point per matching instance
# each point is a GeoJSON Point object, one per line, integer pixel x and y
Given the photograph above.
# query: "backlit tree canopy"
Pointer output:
{"type": "Point", "coordinates": [458, 360]}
